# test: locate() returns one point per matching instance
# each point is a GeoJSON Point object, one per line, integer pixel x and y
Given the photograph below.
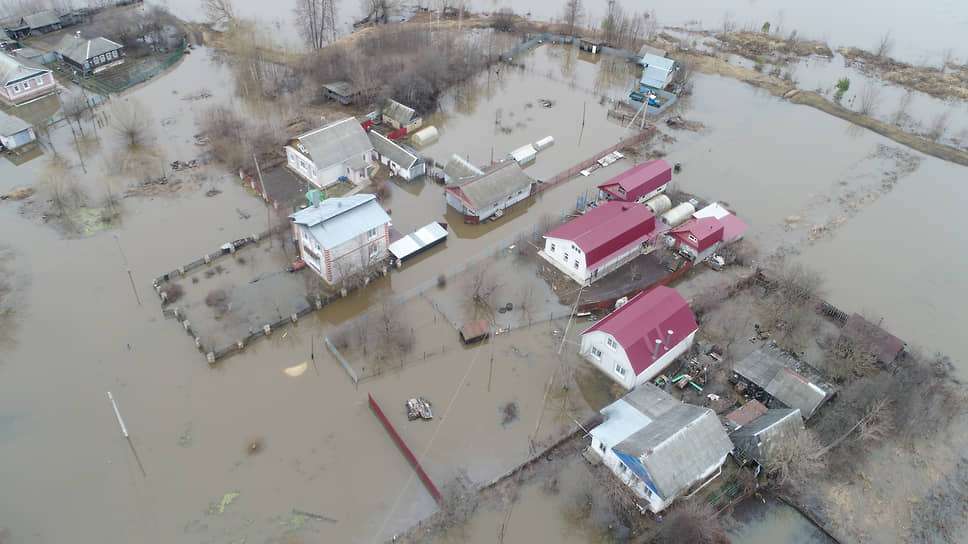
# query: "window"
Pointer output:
{"type": "Point", "coordinates": [114, 54]}
{"type": "Point", "coordinates": [693, 239]}
{"type": "Point", "coordinates": [374, 249]}
{"type": "Point", "coordinates": [596, 353]}
{"type": "Point", "coordinates": [601, 446]}
{"type": "Point", "coordinates": [371, 233]}
{"type": "Point", "coordinates": [611, 343]}
{"type": "Point", "coordinates": [16, 88]}
{"type": "Point", "coordinates": [576, 264]}
{"type": "Point", "coordinates": [552, 247]}
{"type": "Point", "coordinates": [566, 257]}
{"type": "Point", "coordinates": [39, 80]}
{"type": "Point", "coordinates": [102, 58]}
{"type": "Point", "coordinates": [619, 369]}
{"type": "Point", "coordinates": [621, 467]}
{"type": "Point", "coordinates": [26, 85]}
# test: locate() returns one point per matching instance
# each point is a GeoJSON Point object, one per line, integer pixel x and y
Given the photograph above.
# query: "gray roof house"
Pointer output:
{"type": "Point", "coordinates": [42, 21]}
{"type": "Point", "coordinates": [90, 55]}
{"type": "Point", "coordinates": [401, 161]}
{"type": "Point", "coordinates": [786, 379]}
{"type": "Point", "coordinates": [341, 91]}
{"type": "Point", "coordinates": [325, 155]}
{"type": "Point", "coordinates": [22, 80]}
{"type": "Point", "coordinates": [498, 188]}
{"type": "Point", "coordinates": [340, 235]}
{"type": "Point", "coordinates": [660, 447]}
{"type": "Point", "coordinates": [14, 132]}
{"type": "Point", "coordinates": [658, 71]}
{"type": "Point", "coordinates": [398, 116]}
{"type": "Point", "coordinates": [763, 438]}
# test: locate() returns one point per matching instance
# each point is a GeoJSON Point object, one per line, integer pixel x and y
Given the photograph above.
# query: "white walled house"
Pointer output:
{"type": "Point", "coordinates": [659, 447]}
{"type": "Point", "coordinates": [15, 132]}
{"type": "Point", "coordinates": [327, 155]}
{"type": "Point", "coordinates": [341, 236]}
{"type": "Point", "coordinates": [636, 342]}
{"type": "Point", "coordinates": [493, 191]}
{"type": "Point", "coordinates": [399, 160]}
{"type": "Point", "coordinates": [603, 239]}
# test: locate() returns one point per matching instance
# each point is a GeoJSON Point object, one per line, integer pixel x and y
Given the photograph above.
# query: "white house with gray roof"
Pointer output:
{"type": "Point", "coordinates": [661, 448]}
{"type": "Point", "coordinates": [336, 152]}
{"type": "Point", "coordinates": [342, 236]}
{"type": "Point", "coordinates": [90, 55]}
{"type": "Point", "coordinates": [490, 193]}
{"type": "Point", "coordinates": [15, 132]}
{"type": "Point", "coordinates": [401, 161]}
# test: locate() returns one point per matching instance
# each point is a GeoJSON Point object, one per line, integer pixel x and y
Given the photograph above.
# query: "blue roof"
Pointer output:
{"type": "Point", "coordinates": [336, 221]}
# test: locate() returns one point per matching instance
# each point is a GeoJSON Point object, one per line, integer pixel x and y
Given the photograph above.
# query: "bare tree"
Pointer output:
{"type": "Point", "coordinates": [379, 10]}
{"type": "Point", "coordinates": [219, 12]}
{"type": "Point", "coordinates": [939, 125]}
{"type": "Point", "coordinates": [729, 23]}
{"type": "Point", "coordinates": [884, 45]}
{"type": "Point", "coordinates": [483, 285]}
{"type": "Point", "coordinates": [316, 21]}
{"type": "Point", "coordinates": [875, 425]}
{"type": "Point", "coordinates": [503, 20]}
{"type": "Point", "coordinates": [869, 99]}
{"type": "Point", "coordinates": [793, 463]}
{"type": "Point", "coordinates": [131, 122]}
{"type": "Point", "coordinates": [574, 12]}
{"type": "Point", "coordinates": [947, 58]}
{"type": "Point", "coordinates": [692, 520]}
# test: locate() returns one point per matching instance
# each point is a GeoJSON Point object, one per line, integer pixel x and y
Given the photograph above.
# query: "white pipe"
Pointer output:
{"type": "Point", "coordinates": [124, 430]}
{"type": "Point", "coordinates": [705, 483]}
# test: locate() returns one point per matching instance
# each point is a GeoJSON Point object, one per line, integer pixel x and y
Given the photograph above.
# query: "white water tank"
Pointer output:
{"type": "Point", "coordinates": [425, 136]}
{"type": "Point", "coordinates": [678, 215]}
{"type": "Point", "coordinates": [659, 204]}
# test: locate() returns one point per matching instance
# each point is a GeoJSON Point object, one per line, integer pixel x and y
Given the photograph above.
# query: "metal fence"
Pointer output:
{"type": "Point", "coordinates": [135, 77]}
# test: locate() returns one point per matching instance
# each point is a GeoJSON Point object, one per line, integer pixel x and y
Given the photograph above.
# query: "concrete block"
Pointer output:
{"type": "Point", "coordinates": [267, 329]}
{"type": "Point", "coordinates": [198, 342]}
{"type": "Point", "coordinates": [187, 324]}
{"type": "Point", "coordinates": [210, 357]}
{"type": "Point", "coordinates": [208, 260]}
{"type": "Point", "coordinates": [294, 318]}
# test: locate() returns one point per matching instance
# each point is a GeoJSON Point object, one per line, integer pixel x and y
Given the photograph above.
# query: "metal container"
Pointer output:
{"type": "Point", "coordinates": [659, 204]}
{"type": "Point", "coordinates": [678, 215]}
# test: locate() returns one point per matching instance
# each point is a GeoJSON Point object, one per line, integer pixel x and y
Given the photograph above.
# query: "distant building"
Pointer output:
{"type": "Point", "coordinates": [659, 447]}
{"type": "Point", "coordinates": [22, 81]}
{"type": "Point", "coordinates": [710, 229]}
{"type": "Point", "coordinates": [649, 50]}
{"type": "Point", "coordinates": [636, 342]}
{"type": "Point", "coordinates": [458, 169]}
{"type": "Point", "coordinates": [341, 91]}
{"type": "Point", "coordinates": [591, 46]}
{"type": "Point", "coordinates": [42, 22]}
{"type": "Point", "coordinates": [89, 56]}
{"type": "Point", "coordinates": [401, 161]}
{"type": "Point", "coordinates": [745, 414]}
{"type": "Point", "coordinates": [603, 239]}
{"type": "Point", "coordinates": [779, 380]}
{"type": "Point", "coordinates": [339, 237]}
{"type": "Point", "coordinates": [657, 72]}
{"type": "Point", "coordinates": [338, 151]}
{"type": "Point", "coordinates": [764, 439]}
{"type": "Point", "coordinates": [14, 132]}
{"type": "Point", "coordinates": [861, 338]}
{"type": "Point", "coordinates": [399, 116]}
{"type": "Point", "coordinates": [490, 193]}
{"type": "Point", "coordinates": [639, 183]}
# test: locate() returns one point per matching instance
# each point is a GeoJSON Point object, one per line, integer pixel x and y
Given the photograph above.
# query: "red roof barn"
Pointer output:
{"type": "Point", "coordinates": [600, 240]}
{"type": "Point", "coordinates": [637, 341]}
{"type": "Point", "coordinates": [638, 183]}
{"type": "Point", "coordinates": [708, 230]}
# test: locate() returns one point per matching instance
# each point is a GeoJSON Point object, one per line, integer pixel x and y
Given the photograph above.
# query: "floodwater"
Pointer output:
{"type": "Point", "coordinates": [770, 522]}
{"type": "Point", "coordinates": [81, 332]}
{"type": "Point", "coordinates": [921, 31]}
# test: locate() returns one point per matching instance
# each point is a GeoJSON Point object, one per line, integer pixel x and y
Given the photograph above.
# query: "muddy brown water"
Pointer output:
{"type": "Point", "coordinates": [80, 331]}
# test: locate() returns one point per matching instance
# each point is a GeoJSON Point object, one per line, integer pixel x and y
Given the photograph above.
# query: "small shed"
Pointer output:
{"type": "Point", "coordinates": [591, 46]}
{"type": "Point", "coordinates": [544, 143]}
{"type": "Point", "coordinates": [14, 132]}
{"type": "Point", "coordinates": [400, 116]}
{"type": "Point", "coordinates": [474, 331]}
{"type": "Point", "coordinates": [524, 155]}
{"type": "Point", "coordinates": [341, 91]}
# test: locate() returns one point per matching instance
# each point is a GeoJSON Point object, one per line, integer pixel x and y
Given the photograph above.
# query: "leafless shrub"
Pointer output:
{"type": "Point", "coordinates": [483, 286]}
{"type": "Point", "coordinates": [382, 190]}
{"type": "Point", "coordinates": [378, 10]}
{"type": "Point", "coordinates": [794, 463]}
{"type": "Point", "coordinates": [316, 21]}
{"type": "Point", "coordinates": [391, 334]}
{"type": "Point", "coordinates": [902, 107]}
{"type": "Point", "coordinates": [441, 280]}
{"type": "Point", "coordinates": [939, 125]}
{"type": "Point", "coordinates": [217, 299]}
{"type": "Point", "coordinates": [173, 291]}
{"type": "Point", "coordinates": [729, 23]}
{"type": "Point", "coordinates": [694, 521]}
{"type": "Point", "coordinates": [503, 20]}
{"type": "Point", "coordinates": [574, 12]}
{"type": "Point", "coordinates": [219, 12]}
{"type": "Point", "coordinates": [884, 45]}
{"type": "Point", "coordinates": [131, 122]}
{"type": "Point", "coordinates": [254, 445]}
{"type": "Point", "coordinates": [236, 139]}
{"type": "Point", "coordinates": [869, 99]}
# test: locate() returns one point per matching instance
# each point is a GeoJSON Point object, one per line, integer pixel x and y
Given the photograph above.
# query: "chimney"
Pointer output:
{"type": "Point", "coordinates": [668, 338]}
{"type": "Point", "coordinates": [655, 354]}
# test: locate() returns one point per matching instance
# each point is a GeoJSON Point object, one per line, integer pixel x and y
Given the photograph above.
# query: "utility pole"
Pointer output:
{"type": "Point", "coordinates": [130, 277]}
{"type": "Point", "coordinates": [265, 196]}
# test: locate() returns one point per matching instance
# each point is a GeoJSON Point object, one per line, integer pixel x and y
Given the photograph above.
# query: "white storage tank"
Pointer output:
{"type": "Point", "coordinates": [425, 136]}
{"type": "Point", "coordinates": [524, 154]}
{"type": "Point", "coordinates": [544, 143]}
{"type": "Point", "coordinates": [678, 215]}
{"type": "Point", "coordinates": [659, 205]}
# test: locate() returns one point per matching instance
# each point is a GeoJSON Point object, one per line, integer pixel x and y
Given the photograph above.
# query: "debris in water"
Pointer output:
{"type": "Point", "coordinates": [185, 440]}
{"type": "Point", "coordinates": [254, 445]}
{"type": "Point", "coordinates": [297, 370]}
{"type": "Point", "coordinates": [227, 499]}
{"type": "Point", "coordinates": [510, 413]}
{"type": "Point", "coordinates": [212, 192]}
{"type": "Point", "coordinates": [419, 407]}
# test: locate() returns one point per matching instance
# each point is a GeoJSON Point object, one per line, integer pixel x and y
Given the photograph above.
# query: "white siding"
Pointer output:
{"type": "Point", "coordinates": [627, 477]}
{"type": "Point", "coordinates": [665, 360]}
{"type": "Point", "coordinates": [566, 253]}
{"type": "Point", "coordinates": [611, 357]}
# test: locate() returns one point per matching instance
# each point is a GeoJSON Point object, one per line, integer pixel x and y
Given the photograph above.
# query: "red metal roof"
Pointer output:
{"type": "Point", "coordinates": [646, 318]}
{"type": "Point", "coordinates": [609, 228]}
{"type": "Point", "coordinates": [733, 227]}
{"type": "Point", "coordinates": [747, 412]}
{"type": "Point", "coordinates": [638, 181]}
{"type": "Point", "coordinates": [706, 230]}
